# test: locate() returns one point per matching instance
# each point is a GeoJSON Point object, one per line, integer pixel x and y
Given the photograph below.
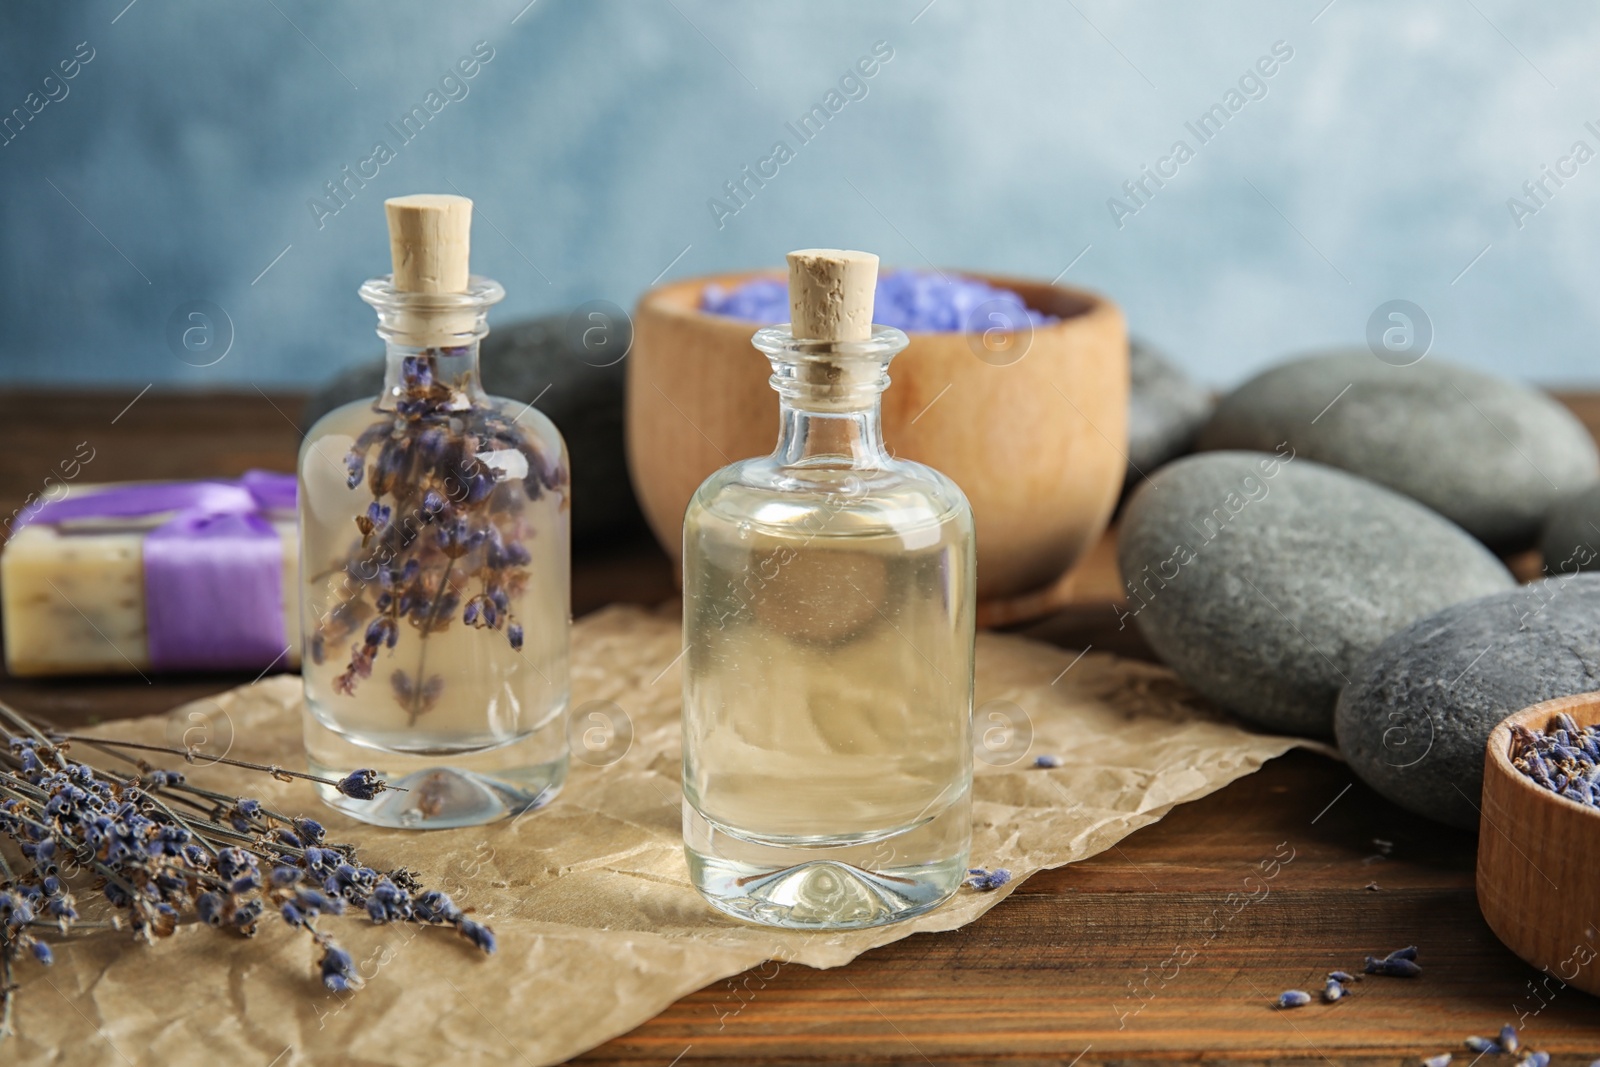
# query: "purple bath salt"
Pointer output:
{"type": "Point", "coordinates": [916, 301]}
{"type": "Point", "coordinates": [757, 300]}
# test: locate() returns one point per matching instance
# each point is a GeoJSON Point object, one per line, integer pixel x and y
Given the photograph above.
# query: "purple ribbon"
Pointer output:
{"type": "Point", "coordinates": [213, 573]}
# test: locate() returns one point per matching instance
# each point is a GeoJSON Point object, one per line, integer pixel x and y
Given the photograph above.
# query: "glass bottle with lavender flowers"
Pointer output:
{"type": "Point", "coordinates": [828, 631]}
{"type": "Point", "coordinates": [435, 559]}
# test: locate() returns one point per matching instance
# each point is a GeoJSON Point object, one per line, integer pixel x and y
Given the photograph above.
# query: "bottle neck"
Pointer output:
{"type": "Point", "coordinates": [445, 378]}
{"type": "Point", "coordinates": [830, 397]}
{"type": "Point", "coordinates": [431, 340]}
{"type": "Point", "coordinates": [807, 437]}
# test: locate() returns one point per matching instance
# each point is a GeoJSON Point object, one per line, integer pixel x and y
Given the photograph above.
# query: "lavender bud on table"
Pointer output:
{"type": "Point", "coordinates": [1401, 968]}
{"type": "Point", "coordinates": [985, 880]}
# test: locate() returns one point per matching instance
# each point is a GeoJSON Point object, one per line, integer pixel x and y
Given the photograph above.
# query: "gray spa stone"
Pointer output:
{"type": "Point", "coordinates": [1264, 580]}
{"type": "Point", "coordinates": [1488, 454]}
{"type": "Point", "coordinates": [1571, 540]}
{"type": "Point", "coordinates": [545, 358]}
{"type": "Point", "coordinates": [1415, 718]}
{"type": "Point", "coordinates": [1165, 410]}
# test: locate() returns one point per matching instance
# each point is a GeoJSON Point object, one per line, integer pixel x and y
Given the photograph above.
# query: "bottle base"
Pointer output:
{"type": "Point", "coordinates": [822, 894]}
{"type": "Point", "coordinates": [437, 791]}
{"type": "Point", "coordinates": [828, 885]}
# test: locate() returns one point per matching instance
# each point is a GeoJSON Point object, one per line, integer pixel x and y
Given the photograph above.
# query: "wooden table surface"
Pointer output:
{"type": "Point", "coordinates": [1150, 952]}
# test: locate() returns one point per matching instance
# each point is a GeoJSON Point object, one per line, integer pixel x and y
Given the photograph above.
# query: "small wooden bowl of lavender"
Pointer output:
{"type": "Point", "coordinates": [1539, 838]}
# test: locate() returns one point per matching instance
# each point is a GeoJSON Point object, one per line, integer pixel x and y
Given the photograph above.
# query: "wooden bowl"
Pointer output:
{"type": "Point", "coordinates": [1539, 858]}
{"type": "Point", "coordinates": [1038, 444]}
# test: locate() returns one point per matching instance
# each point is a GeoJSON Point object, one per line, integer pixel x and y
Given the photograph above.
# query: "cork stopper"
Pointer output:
{"type": "Point", "coordinates": [430, 238]}
{"type": "Point", "coordinates": [830, 294]}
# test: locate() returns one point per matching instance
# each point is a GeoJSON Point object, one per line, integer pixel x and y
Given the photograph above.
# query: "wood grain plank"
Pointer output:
{"type": "Point", "coordinates": [1139, 956]}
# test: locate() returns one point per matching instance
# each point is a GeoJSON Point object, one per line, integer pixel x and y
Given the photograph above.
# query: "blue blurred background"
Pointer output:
{"type": "Point", "coordinates": [184, 160]}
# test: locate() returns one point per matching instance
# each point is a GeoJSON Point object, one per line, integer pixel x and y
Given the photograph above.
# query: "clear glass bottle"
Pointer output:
{"type": "Point", "coordinates": [828, 622]}
{"type": "Point", "coordinates": [435, 561]}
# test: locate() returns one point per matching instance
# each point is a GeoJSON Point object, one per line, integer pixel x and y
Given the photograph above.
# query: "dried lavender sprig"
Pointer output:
{"type": "Point", "coordinates": [89, 861]}
{"type": "Point", "coordinates": [222, 798]}
{"type": "Point", "coordinates": [15, 765]}
{"type": "Point", "coordinates": [146, 769]}
{"type": "Point", "coordinates": [276, 846]}
{"type": "Point", "coordinates": [262, 827]}
{"type": "Point", "coordinates": [437, 511]}
{"type": "Point", "coordinates": [116, 879]}
{"type": "Point", "coordinates": [200, 806]}
{"type": "Point", "coordinates": [277, 772]}
{"type": "Point", "coordinates": [155, 870]}
{"type": "Point", "coordinates": [181, 821]}
{"type": "Point", "coordinates": [360, 785]}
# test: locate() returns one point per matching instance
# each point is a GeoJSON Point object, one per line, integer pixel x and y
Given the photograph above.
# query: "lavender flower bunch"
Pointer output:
{"type": "Point", "coordinates": [151, 851]}
{"type": "Point", "coordinates": [443, 536]}
{"type": "Point", "coordinates": [1563, 759]}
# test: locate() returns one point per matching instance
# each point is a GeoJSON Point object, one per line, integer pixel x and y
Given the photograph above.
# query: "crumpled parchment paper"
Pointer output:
{"type": "Point", "coordinates": [598, 927]}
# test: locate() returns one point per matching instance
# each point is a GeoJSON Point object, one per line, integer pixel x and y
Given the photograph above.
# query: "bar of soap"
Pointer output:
{"type": "Point", "coordinates": [73, 598]}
